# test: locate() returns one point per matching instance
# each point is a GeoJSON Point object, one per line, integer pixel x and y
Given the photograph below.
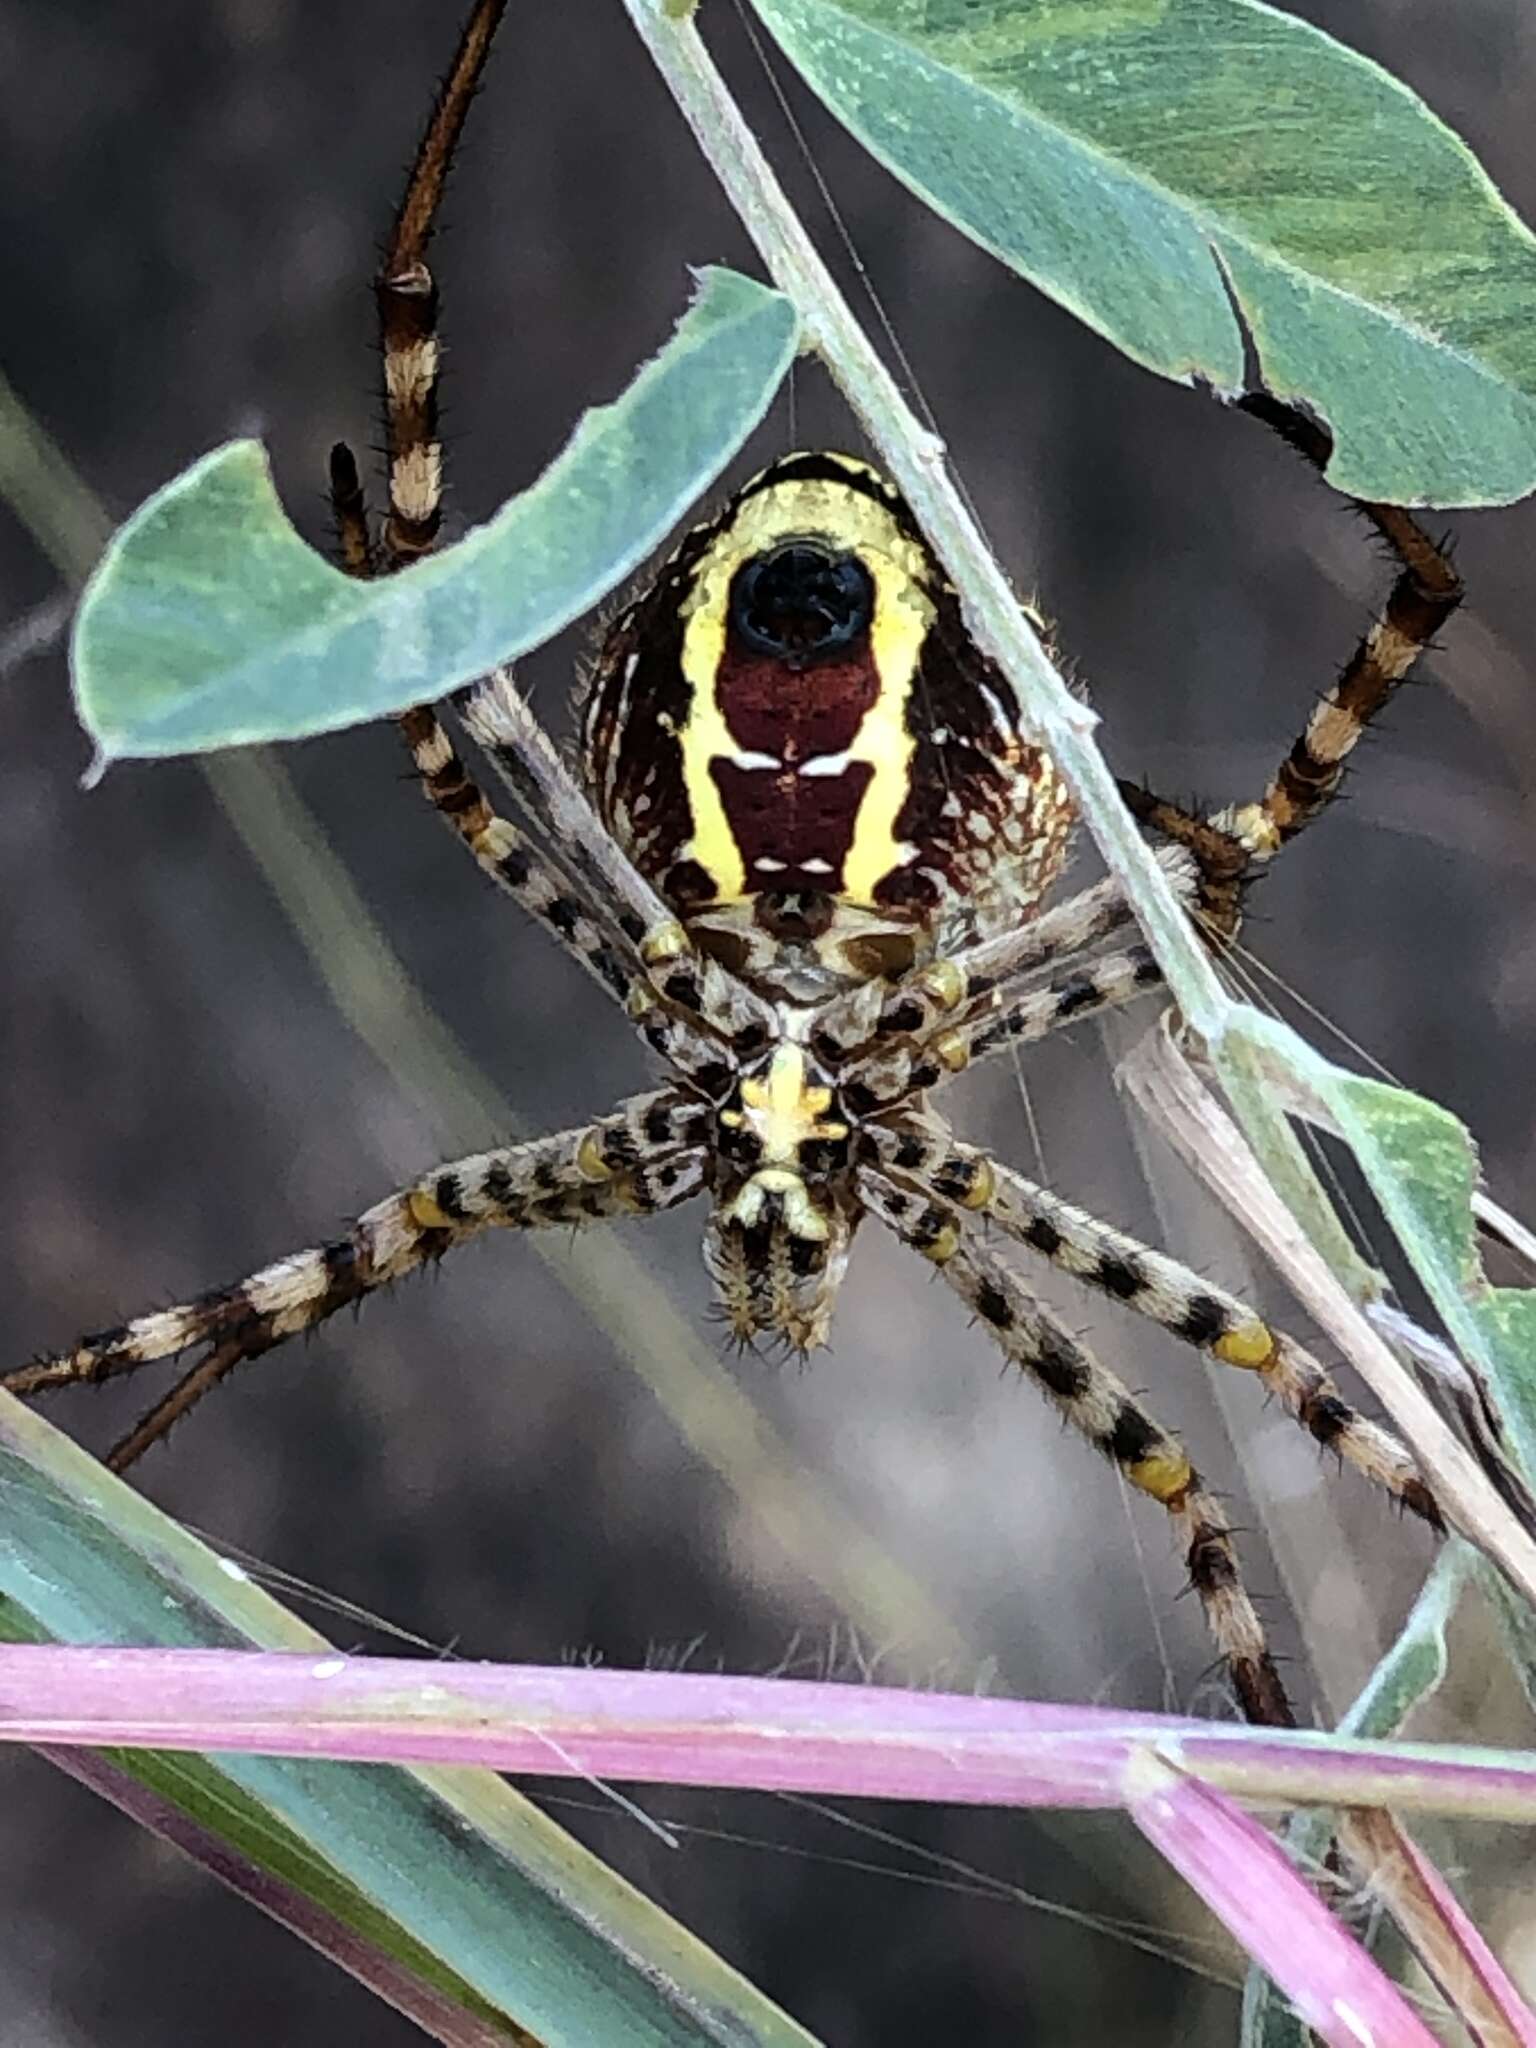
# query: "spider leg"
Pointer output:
{"type": "Point", "coordinates": [406, 294]}
{"type": "Point", "coordinates": [1096, 1403]}
{"type": "Point", "coordinates": [645, 1157]}
{"type": "Point", "coordinates": [504, 853]}
{"type": "Point", "coordinates": [518, 746]}
{"type": "Point", "coordinates": [1002, 1018]}
{"type": "Point", "coordinates": [349, 510]}
{"type": "Point", "coordinates": [657, 985]}
{"type": "Point", "coordinates": [599, 907]}
{"type": "Point", "coordinates": [928, 1157]}
{"type": "Point", "coordinates": [1425, 594]}
{"type": "Point", "coordinates": [961, 985]}
{"type": "Point", "coordinates": [407, 301]}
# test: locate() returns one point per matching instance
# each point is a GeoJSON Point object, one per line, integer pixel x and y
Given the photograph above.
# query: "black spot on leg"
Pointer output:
{"type": "Point", "coordinates": [448, 1194]}
{"type": "Point", "coordinates": [910, 1151]}
{"type": "Point", "coordinates": [993, 1306]}
{"type": "Point", "coordinates": [222, 1311]}
{"type": "Point", "coordinates": [928, 1228]}
{"type": "Point", "coordinates": [1077, 994]}
{"type": "Point", "coordinates": [340, 1262]}
{"type": "Point", "coordinates": [905, 1016]}
{"type": "Point", "coordinates": [1326, 1416]}
{"type": "Point", "coordinates": [343, 1278]}
{"type": "Point", "coordinates": [1262, 1695]}
{"type": "Point", "coordinates": [1120, 1276]}
{"type": "Point", "coordinates": [1203, 1321]}
{"type": "Point", "coordinates": [1061, 1368]}
{"type": "Point", "coordinates": [614, 975]}
{"type": "Point", "coordinates": [1132, 1436]}
{"type": "Point", "coordinates": [957, 1176]}
{"type": "Point", "coordinates": [1044, 1236]}
{"type": "Point", "coordinates": [682, 987]}
{"type": "Point", "coordinates": [106, 1341]}
{"type": "Point", "coordinates": [1418, 1499]}
{"type": "Point", "coordinates": [1210, 1563]}
{"type": "Point", "coordinates": [454, 796]}
{"type": "Point", "coordinates": [805, 1257]}
{"type": "Point", "coordinates": [619, 1149]}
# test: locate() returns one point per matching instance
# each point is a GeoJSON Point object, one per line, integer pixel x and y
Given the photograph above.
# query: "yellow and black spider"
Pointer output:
{"type": "Point", "coordinates": [810, 860]}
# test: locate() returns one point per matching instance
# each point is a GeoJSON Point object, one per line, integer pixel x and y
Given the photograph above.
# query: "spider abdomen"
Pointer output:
{"type": "Point", "coordinates": [794, 737]}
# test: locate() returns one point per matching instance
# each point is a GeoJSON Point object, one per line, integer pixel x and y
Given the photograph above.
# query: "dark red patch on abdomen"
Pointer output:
{"type": "Point", "coordinates": [790, 819]}
{"type": "Point", "coordinates": [793, 715]}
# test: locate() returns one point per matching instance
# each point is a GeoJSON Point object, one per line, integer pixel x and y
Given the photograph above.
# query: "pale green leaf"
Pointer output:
{"type": "Point", "coordinates": [1422, 1168]}
{"type": "Point", "coordinates": [1145, 162]}
{"type": "Point", "coordinates": [209, 623]}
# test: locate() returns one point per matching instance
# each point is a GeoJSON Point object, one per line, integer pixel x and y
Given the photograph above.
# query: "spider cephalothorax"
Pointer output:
{"type": "Point", "coordinates": [813, 869]}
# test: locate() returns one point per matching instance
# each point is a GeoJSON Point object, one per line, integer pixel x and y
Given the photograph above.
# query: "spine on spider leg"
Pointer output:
{"type": "Point", "coordinates": [1101, 1408]}
{"type": "Point", "coordinates": [642, 1158]}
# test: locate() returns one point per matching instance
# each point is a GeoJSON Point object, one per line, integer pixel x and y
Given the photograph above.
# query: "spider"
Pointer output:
{"type": "Point", "coordinates": [808, 853]}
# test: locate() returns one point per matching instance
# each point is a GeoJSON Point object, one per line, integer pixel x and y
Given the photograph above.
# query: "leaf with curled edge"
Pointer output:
{"type": "Point", "coordinates": [210, 623]}
{"type": "Point", "coordinates": [1175, 171]}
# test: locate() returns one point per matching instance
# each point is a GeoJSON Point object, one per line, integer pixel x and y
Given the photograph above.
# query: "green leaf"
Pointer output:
{"type": "Point", "coordinates": [1422, 1168]}
{"type": "Point", "coordinates": [209, 623]}
{"type": "Point", "coordinates": [1146, 162]}
{"type": "Point", "coordinates": [450, 1871]}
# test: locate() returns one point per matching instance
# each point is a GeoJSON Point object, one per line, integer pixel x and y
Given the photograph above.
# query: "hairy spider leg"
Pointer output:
{"type": "Point", "coordinates": [966, 986]}
{"type": "Point", "coordinates": [1101, 1408]}
{"type": "Point", "coordinates": [645, 1157]}
{"type": "Point", "coordinates": [923, 1153]}
{"type": "Point", "coordinates": [1423, 597]}
{"type": "Point", "coordinates": [904, 1068]}
{"type": "Point", "coordinates": [620, 928]}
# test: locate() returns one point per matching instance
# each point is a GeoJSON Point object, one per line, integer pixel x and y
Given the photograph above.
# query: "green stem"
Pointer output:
{"type": "Point", "coordinates": [41, 488]}
{"type": "Point", "coordinates": [915, 458]}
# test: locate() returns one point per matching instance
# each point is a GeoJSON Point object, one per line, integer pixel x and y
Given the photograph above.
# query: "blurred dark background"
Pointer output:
{"type": "Point", "coordinates": [523, 1459]}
